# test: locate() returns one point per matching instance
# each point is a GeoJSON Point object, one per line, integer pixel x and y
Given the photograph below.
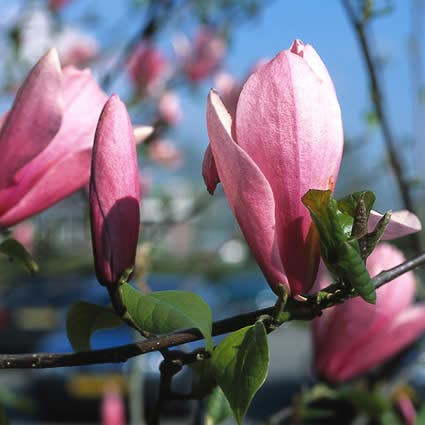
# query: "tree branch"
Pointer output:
{"type": "Point", "coordinates": [296, 311]}
{"type": "Point", "coordinates": [359, 26]}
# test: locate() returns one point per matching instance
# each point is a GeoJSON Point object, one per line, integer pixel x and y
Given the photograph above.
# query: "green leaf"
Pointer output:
{"type": "Point", "coordinates": [168, 311]}
{"type": "Point", "coordinates": [240, 365]}
{"type": "Point", "coordinates": [352, 270]}
{"type": "Point", "coordinates": [348, 204]}
{"type": "Point", "coordinates": [217, 407]}
{"type": "Point", "coordinates": [13, 249]}
{"type": "Point", "coordinates": [326, 217]}
{"type": "Point", "coordinates": [339, 251]}
{"type": "Point", "coordinates": [420, 420]}
{"type": "Point", "coordinates": [84, 319]}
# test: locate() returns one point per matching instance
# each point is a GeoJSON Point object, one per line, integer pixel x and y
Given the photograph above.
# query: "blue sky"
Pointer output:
{"type": "Point", "coordinates": [324, 25]}
{"type": "Point", "coordinates": [320, 23]}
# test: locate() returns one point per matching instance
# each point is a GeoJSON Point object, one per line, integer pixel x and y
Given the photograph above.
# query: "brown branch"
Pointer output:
{"type": "Point", "coordinates": [359, 26]}
{"type": "Point", "coordinates": [296, 311]}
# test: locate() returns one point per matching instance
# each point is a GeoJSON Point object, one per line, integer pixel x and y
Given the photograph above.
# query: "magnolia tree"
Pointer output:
{"type": "Point", "coordinates": [275, 146]}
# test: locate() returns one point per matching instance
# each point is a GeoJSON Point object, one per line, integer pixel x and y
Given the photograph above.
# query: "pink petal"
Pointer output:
{"type": "Point", "coordinates": [209, 171]}
{"type": "Point", "coordinates": [307, 52]}
{"type": "Point", "coordinates": [288, 122]}
{"type": "Point", "coordinates": [61, 180]}
{"type": "Point", "coordinates": [406, 408]}
{"type": "Point", "coordinates": [402, 223]}
{"type": "Point", "coordinates": [247, 191]}
{"type": "Point", "coordinates": [356, 322]}
{"type": "Point", "coordinates": [34, 119]}
{"type": "Point", "coordinates": [83, 102]}
{"type": "Point", "coordinates": [397, 335]}
{"type": "Point", "coordinates": [24, 233]}
{"type": "Point", "coordinates": [114, 193]}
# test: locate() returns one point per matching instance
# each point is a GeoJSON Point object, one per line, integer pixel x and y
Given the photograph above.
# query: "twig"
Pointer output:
{"type": "Point", "coordinates": [391, 274]}
{"type": "Point", "coordinates": [296, 311]}
{"type": "Point", "coordinates": [359, 26]}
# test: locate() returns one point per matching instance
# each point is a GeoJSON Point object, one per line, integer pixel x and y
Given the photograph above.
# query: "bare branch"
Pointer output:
{"type": "Point", "coordinates": [360, 27]}
{"type": "Point", "coordinates": [297, 311]}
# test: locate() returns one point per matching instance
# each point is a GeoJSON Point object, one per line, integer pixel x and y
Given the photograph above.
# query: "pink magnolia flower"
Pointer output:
{"type": "Point", "coordinates": [229, 88]}
{"type": "Point", "coordinates": [203, 56]}
{"type": "Point", "coordinates": [114, 194]}
{"type": "Point", "coordinates": [147, 66]}
{"type": "Point", "coordinates": [165, 152]}
{"type": "Point", "coordinates": [169, 108]}
{"type": "Point", "coordinates": [76, 48]}
{"type": "Point", "coordinates": [58, 4]}
{"type": "Point", "coordinates": [284, 138]}
{"type": "Point", "coordinates": [47, 137]}
{"type": "Point", "coordinates": [354, 337]}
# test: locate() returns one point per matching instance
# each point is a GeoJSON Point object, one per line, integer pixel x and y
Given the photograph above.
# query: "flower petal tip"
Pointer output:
{"type": "Point", "coordinates": [402, 223]}
{"type": "Point", "coordinates": [142, 132]}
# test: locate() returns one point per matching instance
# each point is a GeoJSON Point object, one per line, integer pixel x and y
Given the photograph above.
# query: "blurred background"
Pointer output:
{"type": "Point", "coordinates": [162, 57]}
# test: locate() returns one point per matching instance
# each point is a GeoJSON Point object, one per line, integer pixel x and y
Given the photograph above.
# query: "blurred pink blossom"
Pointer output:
{"type": "Point", "coordinates": [169, 108]}
{"type": "Point", "coordinates": [76, 48]}
{"type": "Point", "coordinates": [165, 152]}
{"type": "Point", "coordinates": [202, 56]}
{"type": "Point", "coordinates": [145, 183]}
{"type": "Point", "coordinates": [229, 88]}
{"type": "Point", "coordinates": [58, 4]}
{"type": "Point", "coordinates": [147, 66]}
{"type": "Point", "coordinates": [112, 408]}
{"type": "Point", "coordinates": [24, 233]}
{"type": "Point", "coordinates": [406, 409]}
{"type": "Point", "coordinates": [352, 338]}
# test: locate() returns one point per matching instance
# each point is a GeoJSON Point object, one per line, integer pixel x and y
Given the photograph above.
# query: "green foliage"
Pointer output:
{"type": "Point", "coordinates": [240, 365]}
{"type": "Point", "coordinates": [348, 204]}
{"type": "Point", "coordinates": [3, 417]}
{"type": "Point", "coordinates": [217, 407]}
{"type": "Point", "coordinates": [84, 319]}
{"type": "Point", "coordinates": [167, 311]}
{"type": "Point", "coordinates": [389, 417]}
{"type": "Point", "coordinates": [340, 249]}
{"type": "Point", "coordinates": [14, 250]}
{"type": "Point", "coordinates": [420, 420]}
